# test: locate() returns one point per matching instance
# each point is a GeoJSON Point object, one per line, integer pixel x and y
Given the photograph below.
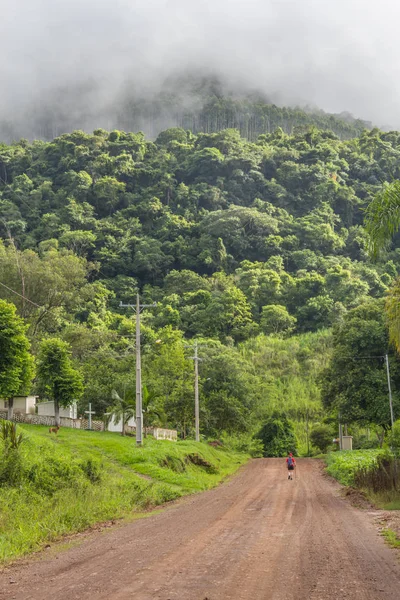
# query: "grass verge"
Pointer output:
{"type": "Point", "coordinates": [391, 538]}
{"type": "Point", "coordinates": [58, 485]}
{"type": "Point", "coordinates": [369, 471]}
{"type": "Point", "coordinates": [346, 465]}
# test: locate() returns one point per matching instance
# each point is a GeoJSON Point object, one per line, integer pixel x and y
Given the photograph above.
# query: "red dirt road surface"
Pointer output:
{"type": "Point", "coordinates": [258, 537]}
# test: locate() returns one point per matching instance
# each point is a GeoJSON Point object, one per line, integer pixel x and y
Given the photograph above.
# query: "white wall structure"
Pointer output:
{"type": "Point", "coordinates": [47, 409]}
{"type": "Point", "coordinates": [165, 434]}
{"type": "Point", "coordinates": [22, 404]}
{"type": "Point", "coordinates": [117, 427]}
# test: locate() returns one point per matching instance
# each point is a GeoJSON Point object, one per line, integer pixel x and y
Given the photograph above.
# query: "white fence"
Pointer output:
{"type": "Point", "coordinates": [165, 434]}
{"type": "Point", "coordinates": [157, 433]}
{"type": "Point", "coordinates": [41, 420]}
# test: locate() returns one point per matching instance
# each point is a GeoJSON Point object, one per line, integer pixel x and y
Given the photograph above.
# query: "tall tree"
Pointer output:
{"type": "Point", "coordinates": [16, 363]}
{"type": "Point", "coordinates": [57, 379]}
{"type": "Point", "coordinates": [355, 383]}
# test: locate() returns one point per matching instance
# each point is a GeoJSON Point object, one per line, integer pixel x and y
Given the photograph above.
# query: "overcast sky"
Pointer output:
{"type": "Point", "coordinates": [340, 55]}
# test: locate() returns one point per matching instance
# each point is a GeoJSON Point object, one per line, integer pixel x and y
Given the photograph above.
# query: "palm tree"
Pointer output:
{"type": "Point", "coordinates": [382, 220]}
{"type": "Point", "coordinates": [150, 410]}
{"type": "Point", "coordinates": [123, 409]}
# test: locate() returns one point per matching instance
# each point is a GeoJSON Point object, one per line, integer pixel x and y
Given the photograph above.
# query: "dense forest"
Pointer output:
{"type": "Point", "coordinates": [255, 248]}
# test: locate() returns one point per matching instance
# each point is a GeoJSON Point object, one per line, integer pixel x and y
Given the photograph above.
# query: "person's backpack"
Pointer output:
{"type": "Point", "coordinates": [290, 461]}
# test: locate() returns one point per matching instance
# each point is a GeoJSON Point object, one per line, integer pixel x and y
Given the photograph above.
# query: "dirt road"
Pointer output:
{"type": "Point", "coordinates": [258, 537]}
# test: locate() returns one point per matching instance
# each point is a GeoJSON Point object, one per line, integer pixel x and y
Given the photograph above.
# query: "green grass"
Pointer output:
{"type": "Point", "coordinates": [344, 465]}
{"type": "Point", "coordinates": [391, 537]}
{"type": "Point", "coordinates": [62, 484]}
{"type": "Point", "coordinates": [387, 500]}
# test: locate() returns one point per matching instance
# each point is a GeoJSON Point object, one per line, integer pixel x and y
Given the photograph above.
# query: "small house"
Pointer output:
{"type": "Point", "coordinates": [21, 404]}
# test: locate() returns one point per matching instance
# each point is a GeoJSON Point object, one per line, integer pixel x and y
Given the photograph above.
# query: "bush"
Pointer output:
{"type": "Point", "coordinates": [346, 466]}
{"type": "Point", "coordinates": [91, 469]}
{"type": "Point", "coordinates": [175, 463]}
{"type": "Point", "coordinates": [277, 436]}
{"type": "Point", "coordinates": [362, 442]}
{"type": "Point", "coordinates": [244, 442]}
{"type": "Point", "coordinates": [321, 437]}
{"type": "Point", "coordinates": [11, 468]}
{"type": "Point", "coordinates": [394, 438]}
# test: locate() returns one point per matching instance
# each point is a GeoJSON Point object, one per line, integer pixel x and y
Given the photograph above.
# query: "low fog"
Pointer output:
{"type": "Point", "coordinates": [78, 61]}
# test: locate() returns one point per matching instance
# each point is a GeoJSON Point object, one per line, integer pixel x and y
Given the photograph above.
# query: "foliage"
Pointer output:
{"type": "Point", "coordinates": [123, 408]}
{"type": "Point", "coordinates": [345, 465]}
{"type": "Point", "coordinates": [391, 538]}
{"type": "Point", "coordinates": [394, 438]}
{"type": "Point", "coordinates": [321, 437]}
{"type": "Point", "coordinates": [355, 383]}
{"type": "Point", "coordinates": [276, 319]}
{"type": "Point", "coordinates": [11, 439]}
{"type": "Point", "coordinates": [249, 244]}
{"type": "Point", "coordinates": [16, 365]}
{"type": "Point", "coordinates": [277, 436]}
{"type": "Point", "coordinates": [383, 217]}
{"type": "Point", "coordinates": [57, 379]}
{"type": "Point", "coordinates": [244, 442]}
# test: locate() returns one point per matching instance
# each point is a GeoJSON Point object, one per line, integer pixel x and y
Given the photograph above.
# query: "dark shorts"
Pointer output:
{"type": "Point", "coordinates": [291, 468]}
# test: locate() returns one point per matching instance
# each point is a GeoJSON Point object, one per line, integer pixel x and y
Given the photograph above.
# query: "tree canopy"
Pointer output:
{"type": "Point", "coordinates": [255, 246]}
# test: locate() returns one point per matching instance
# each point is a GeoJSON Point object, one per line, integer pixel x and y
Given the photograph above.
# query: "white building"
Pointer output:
{"type": "Point", "coordinates": [117, 427]}
{"type": "Point", "coordinates": [22, 404]}
{"type": "Point", "coordinates": [47, 409]}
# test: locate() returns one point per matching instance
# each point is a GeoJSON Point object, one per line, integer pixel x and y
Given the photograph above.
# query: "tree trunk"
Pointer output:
{"type": "Point", "coordinates": [381, 437]}
{"type": "Point", "coordinates": [10, 408]}
{"type": "Point", "coordinates": [123, 424]}
{"type": "Point", "coordinates": [57, 412]}
{"type": "Point", "coordinates": [308, 434]}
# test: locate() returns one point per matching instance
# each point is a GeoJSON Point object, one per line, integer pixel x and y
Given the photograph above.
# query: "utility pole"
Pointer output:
{"type": "Point", "coordinates": [139, 411]}
{"type": "Point", "coordinates": [196, 359]}
{"type": "Point", "coordinates": [196, 393]}
{"type": "Point", "coordinates": [390, 389]}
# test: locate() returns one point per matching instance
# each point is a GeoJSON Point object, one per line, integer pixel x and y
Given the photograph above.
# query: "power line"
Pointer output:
{"type": "Point", "coordinates": [20, 295]}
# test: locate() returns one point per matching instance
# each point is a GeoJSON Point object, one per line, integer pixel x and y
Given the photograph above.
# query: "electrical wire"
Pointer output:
{"type": "Point", "coordinates": [20, 295]}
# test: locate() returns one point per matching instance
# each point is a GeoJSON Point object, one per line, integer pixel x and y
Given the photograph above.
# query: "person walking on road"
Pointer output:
{"type": "Point", "coordinates": [291, 465]}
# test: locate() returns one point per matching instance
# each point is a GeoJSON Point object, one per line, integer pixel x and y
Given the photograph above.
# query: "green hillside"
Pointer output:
{"type": "Point", "coordinates": [255, 248]}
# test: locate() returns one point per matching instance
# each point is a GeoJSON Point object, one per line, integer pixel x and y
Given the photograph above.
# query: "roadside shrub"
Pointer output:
{"type": "Point", "coordinates": [174, 463]}
{"type": "Point", "coordinates": [11, 468]}
{"type": "Point", "coordinates": [321, 437]}
{"type": "Point", "coordinates": [362, 442]}
{"type": "Point", "coordinates": [50, 474]}
{"type": "Point", "coordinates": [199, 461]}
{"type": "Point", "coordinates": [277, 436]}
{"type": "Point", "coordinates": [91, 469]}
{"type": "Point", "coordinates": [394, 438]}
{"type": "Point", "coordinates": [244, 442]}
{"type": "Point", "coordinates": [11, 463]}
{"type": "Point", "coordinates": [11, 438]}
{"type": "Point", "coordinates": [348, 465]}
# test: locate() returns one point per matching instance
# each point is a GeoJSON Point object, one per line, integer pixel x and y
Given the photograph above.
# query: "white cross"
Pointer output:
{"type": "Point", "coordinates": [90, 412]}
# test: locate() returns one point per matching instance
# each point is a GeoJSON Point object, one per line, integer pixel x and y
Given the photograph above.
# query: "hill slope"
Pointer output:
{"type": "Point", "coordinates": [59, 485]}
